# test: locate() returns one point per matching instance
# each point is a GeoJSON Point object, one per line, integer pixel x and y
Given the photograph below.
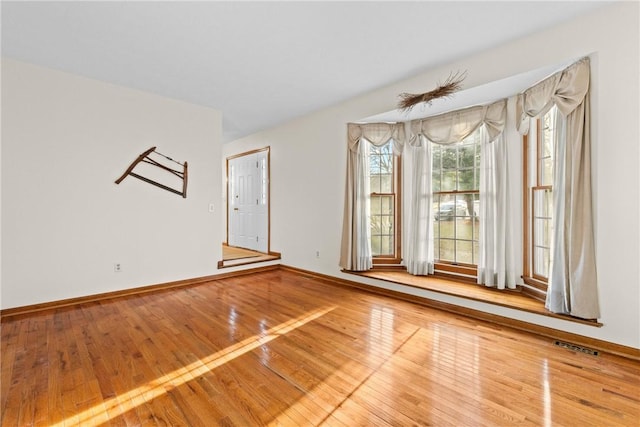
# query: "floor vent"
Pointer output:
{"type": "Point", "coordinates": [574, 347]}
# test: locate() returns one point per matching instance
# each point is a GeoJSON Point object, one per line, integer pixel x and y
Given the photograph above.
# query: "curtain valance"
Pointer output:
{"type": "Point", "coordinates": [565, 89]}
{"type": "Point", "coordinates": [376, 133]}
{"type": "Point", "coordinates": [455, 126]}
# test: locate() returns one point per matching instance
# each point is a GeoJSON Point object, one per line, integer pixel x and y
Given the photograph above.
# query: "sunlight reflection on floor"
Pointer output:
{"type": "Point", "coordinates": [138, 396]}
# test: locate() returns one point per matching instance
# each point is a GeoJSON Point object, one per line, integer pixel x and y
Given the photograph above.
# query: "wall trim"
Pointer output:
{"type": "Point", "coordinates": [29, 309]}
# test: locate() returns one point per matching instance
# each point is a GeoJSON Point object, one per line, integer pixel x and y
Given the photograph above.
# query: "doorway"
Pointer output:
{"type": "Point", "coordinates": [248, 200]}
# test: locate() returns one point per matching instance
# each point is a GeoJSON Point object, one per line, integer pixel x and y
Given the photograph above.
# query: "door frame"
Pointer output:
{"type": "Point", "coordinates": [248, 153]}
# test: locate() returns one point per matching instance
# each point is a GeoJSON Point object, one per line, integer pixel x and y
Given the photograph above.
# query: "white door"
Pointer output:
{"type": "Point", "coordinates": [248, 201]}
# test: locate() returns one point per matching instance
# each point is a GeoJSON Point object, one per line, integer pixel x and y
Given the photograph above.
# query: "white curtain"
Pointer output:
{"type": "Point", "coordinates": [496, 264]}
{"type": "Point", "coordinates": [573, 280]}
{"type": "Point", "coordinates": [419, 247]}
{"type": "Point", "coordinates": [355, 254]}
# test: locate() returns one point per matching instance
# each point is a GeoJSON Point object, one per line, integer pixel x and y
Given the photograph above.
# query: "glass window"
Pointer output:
{"type": "Point", "coordinates": [538, 199]}
{"type": "Point", "coordinates": [384, 203]}
{"type": "Point", "coordinates": [456, 201]}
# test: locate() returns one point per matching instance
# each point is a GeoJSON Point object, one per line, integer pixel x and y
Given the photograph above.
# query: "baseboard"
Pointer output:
{"type": "Point", "coordinates": [555, 334]}
{"type": "Point", "coordinates": [29, 309]}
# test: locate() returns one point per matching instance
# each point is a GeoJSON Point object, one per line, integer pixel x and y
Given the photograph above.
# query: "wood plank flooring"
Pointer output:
{"type": "Point", "coordinates": [277, 348]}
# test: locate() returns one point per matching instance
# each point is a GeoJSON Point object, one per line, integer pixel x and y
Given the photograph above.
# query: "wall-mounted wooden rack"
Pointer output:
{"type": "Point", "coordinates": [146, 158]}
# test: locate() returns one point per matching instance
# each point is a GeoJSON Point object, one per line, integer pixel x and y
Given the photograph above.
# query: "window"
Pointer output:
{"type": "Point", "coordinates": [456, 201]}
{"type": "Point", "coordinates": [538, 200]}
{"type": "Point", "coordinates": [384, 176]}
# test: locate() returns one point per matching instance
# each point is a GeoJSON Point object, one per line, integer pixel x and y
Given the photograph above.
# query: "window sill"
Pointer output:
{"type": "Point", "coordinates": [511, 298]}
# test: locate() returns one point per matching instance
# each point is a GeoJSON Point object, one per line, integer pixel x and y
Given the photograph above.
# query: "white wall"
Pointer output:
{"type": "Point", "coordinates": [65, 140]}
{"type": "Point", "coordinates": [308, 158]}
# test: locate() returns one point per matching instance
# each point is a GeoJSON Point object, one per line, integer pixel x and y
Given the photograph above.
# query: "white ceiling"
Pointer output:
{"type": "Point", "coordinates": [264, 63]}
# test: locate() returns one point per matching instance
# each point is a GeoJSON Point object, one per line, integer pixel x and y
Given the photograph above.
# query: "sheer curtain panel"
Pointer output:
{"type": "Point", "coordinates": [419, 246]}
{"type": "Point", "coordinates": [573, 279]}
{"type": "Point", "coordinates": [355, 253]}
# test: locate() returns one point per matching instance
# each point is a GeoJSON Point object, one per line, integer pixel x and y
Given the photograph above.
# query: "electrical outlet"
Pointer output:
{"type": "Point", "coordinates": [117, 267]}
{"type": "Point", "coordinates": [317, 254]}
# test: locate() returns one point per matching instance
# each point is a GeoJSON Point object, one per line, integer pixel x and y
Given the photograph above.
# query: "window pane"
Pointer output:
{"type": "Point", "coordinates": [449, 157]}
{"type": "Point", "coordinates": [542, 203]}
{"type": "Point", "coordinates": [547, 172]}
{"type": "Point", "coordinates": [541, 262]}
{"type": "Point", "coordinates": [435, 181]}
{"type": "Point", "coordinates": [386, 205]}
{"type": "Point", "coordinates": [538, 232]}
{"type": "Point", "coordinates": [436, 157]}
{"type": "Point", "coordinates": [548, 204]}
{"type": "Point", "coordinates": [386, 224]}
{"type": "Point", "coordinates": [374, 164]}
{"type": "Point", "coordinates": [375, 204]}
{"type": "Point", "coordinates": [466, 180]}
{"type": "Point", "coordinates": [375, 245]}
{"type": "Point", "coordinates": [447, 229]}
{"type": "Point", "coordinates": [386, 245]}
{"type": "Point", "coordinates": [548, 130]}
{"type": "Point", "coordinates": [386, 183]}
{"type": "Point", "coordinates": [448, 180]}
{"type": "Point", "coordinates": [464, 228]}
{"type": "Point", "coordinates": [376, 225]}
{"type": "Point", "coordinates": [546, 232]}
{"type": "Point", "coordinates": [447, 250]}
{"type": "Point", "coordinates": [464, 252]}
{"type": "Point", "coordinates": [374, 183]}
{"type": "Point", "coordinates": [466, 156]}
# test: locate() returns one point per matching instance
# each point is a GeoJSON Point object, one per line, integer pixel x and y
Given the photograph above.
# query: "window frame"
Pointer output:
{"type": "Point", "coordinates": [394, 259]}
{"type": "Point", "coordinates": [529, 276]}
{"type": "Point", "coordinates": [451, 269]}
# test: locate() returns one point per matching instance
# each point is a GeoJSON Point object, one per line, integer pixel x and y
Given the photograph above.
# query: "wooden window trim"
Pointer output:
{"type": "Point", "coordinates": [541, 285]}
{"type": "Point", "coordinates": [529, 278]}
{"type": "Point", "coordinates": [467, 273]}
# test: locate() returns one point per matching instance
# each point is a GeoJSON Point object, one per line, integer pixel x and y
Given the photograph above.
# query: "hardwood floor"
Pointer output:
{"type": "Point", "coordinates": [282, 349]}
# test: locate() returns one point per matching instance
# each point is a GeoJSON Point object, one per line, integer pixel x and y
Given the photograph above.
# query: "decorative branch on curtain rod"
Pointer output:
{"type": "Point", "coordinates": [448, 88]}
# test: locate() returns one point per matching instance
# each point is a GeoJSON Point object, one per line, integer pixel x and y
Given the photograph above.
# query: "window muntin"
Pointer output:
{"type": "Point", "coordinates": [384, 203]}
{"type": "Point", "coordinates": [456, 201]}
